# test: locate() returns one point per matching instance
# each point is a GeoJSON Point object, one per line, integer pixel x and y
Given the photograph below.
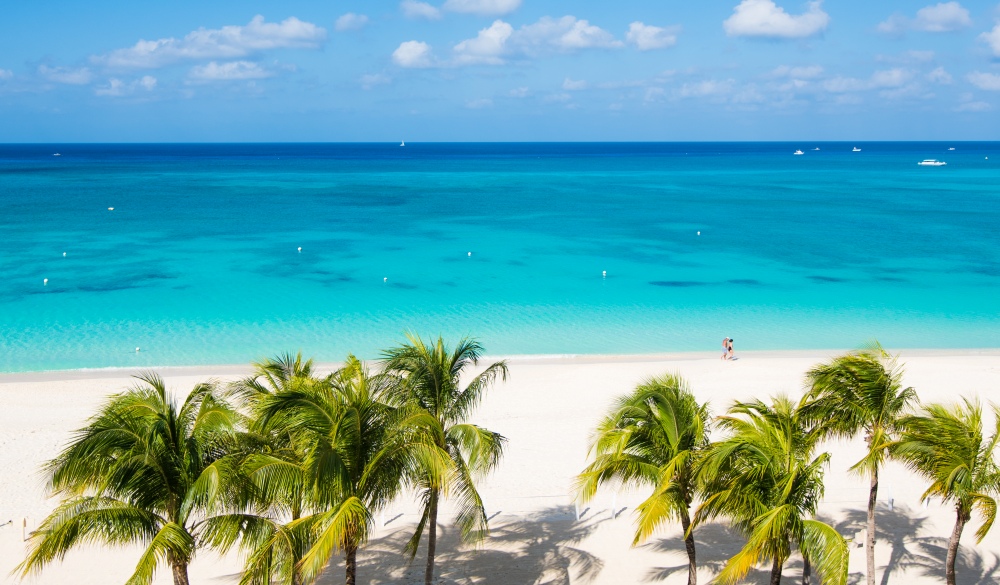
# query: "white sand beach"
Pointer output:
{"type": "Point", "coordinates": [546, 409]}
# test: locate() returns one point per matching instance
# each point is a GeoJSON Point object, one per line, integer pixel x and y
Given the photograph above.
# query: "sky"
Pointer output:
{"type": "Point", "coordinates": [498, 70]}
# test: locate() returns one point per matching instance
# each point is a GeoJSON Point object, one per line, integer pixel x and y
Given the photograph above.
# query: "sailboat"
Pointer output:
{"type": "Point", "coordinates": [403, 143]}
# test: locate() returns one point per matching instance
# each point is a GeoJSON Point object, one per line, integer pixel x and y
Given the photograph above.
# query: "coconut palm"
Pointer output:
{"type": "Point", "coordinates": [269, 468]}
{"type": "Point", "coordinates": [144, 470]}
{"type": "Point", "coordinates": [945, 444]}
{"type": "Point", "coordinates": [356, 454]}
{"type": "Point", "coordinates": [652, 437]}
{"type": "Point", "coordinates": [766, 478]}
{"type": "Point", "coordinates": [428, 379]}
{"type": "Point", "coordinates": [859, 392]}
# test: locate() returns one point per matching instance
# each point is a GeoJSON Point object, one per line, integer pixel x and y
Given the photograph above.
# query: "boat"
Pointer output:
{"type": "Point", "coordinates": [817, 148]}
{"type": "Point", "coordinates": [403, 143]}
{"type": "Point", "coordinates": [856, 149]}
{"type": "Point", "coordinates": [930, 162]}
{"type": "Point", "coordinates": [798, 152]}
{"type": "Point", "coordinates": [57, 154]}
{"type": "Point", "coordinates": [952, 148]}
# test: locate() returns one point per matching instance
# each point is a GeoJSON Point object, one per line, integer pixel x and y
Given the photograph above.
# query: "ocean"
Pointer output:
{"type": "Point", "coordinates": [226, 253]}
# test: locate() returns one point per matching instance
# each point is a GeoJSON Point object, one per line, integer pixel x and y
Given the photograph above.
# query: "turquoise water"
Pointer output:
{"type": "Point", "coordinates": [198, 262]}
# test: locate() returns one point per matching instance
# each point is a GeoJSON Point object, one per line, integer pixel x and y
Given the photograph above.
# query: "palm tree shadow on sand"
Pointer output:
{"type": "Point", "coordinates": [539, 551]}
{"type": "Point", "coordinates": [899, 529]}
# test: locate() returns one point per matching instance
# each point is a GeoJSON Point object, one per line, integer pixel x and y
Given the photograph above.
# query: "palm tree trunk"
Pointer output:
{"type": "Point", "coordinates": [956, 535]}
{"type": "Point", "coordinates": [432, 516]}
{"type": "Point", "coordinates": [870, 534]}
{"type": "Point", "coordinates": [689, 545]}
{"type": "Point", "coordinates": [776, 572]}
{"type": "Point", "coordinates": [806, 570]}
{"type": "Point", "coordinates": [180, 571]}
{"type": "Point", "coordinates": [351, 560]}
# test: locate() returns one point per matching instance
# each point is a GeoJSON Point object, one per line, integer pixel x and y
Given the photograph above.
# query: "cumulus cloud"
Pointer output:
{"type": "Point", "coordinates": [6, 74]}
{"type": "Point", "coordinates": [574, 84]}
{"type": "Point", "coordinates": [231, 71]}
{"type": "Point", "coordinates": [519, 92]}
{"type": "Point", "coordinates": [974, 107]}
{"type": "Point", "coordinates": [66, 75]}
{"type": "Point", "coordinates": [646, 37]}
{"type": "Point", "coordinates": [487, 47]}
{"type": "Point", "coordinates": [413, 54]}
{"type": "Point", "coordinates": [706, 88]}
{"type": "Point", "coordinates": [228, 42]}
{"type": "Point", "coordinates": [414, 9]}
{"type": "Point", "coordinates": [939, 75]}
{"type": "Point", "coordinates": [117, 87]}
{"type": "Point", "coordinates": [764, 18]}
{"type": "Point", "coordinates": [942, 17]}
{"type": "Point", "coordinates": [482, 7]}
{"type": "Point", "coordinates": [884, 79]}
{"type": "Point", "coordinates": [987, 81]}
{"type": "Point", "coordinates": [370, 80]}
{"type": "Point", "coordinates": [494, 44]}
{"type": "Point", "coordinates": [992, 38]}
{"type": "Point", "coordinates": [805, 72]}
{"type": "Point", "coordinates": [350, 21]}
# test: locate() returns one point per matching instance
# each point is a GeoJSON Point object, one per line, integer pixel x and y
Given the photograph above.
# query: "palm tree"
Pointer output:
{"type": "Point", "coordinates": [428, 379]}
{"type": "Point", "coordinates": [143, 470]}
{"type": "Point", "coordinates": [652, 437]}
{"type": "Point", "coordinates": [765, 478]}
{"type": "Point", "coordinates": [945, 444]}
{"type": "Point", "coordinates": [858, 392]}
{"type": "Point", "coordinates": [356, 455]}
{"type": "Point", "coordinates": [269, 468]}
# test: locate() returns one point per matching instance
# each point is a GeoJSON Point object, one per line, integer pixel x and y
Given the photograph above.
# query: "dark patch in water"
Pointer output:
{"type": "Point", "coordinates": [890, 279]}
{"type": "Point", "coordinates": [678, 283]}
{"type": "Point", "coordinates": [744, 281]}
{"type": "Point", "coordinates": [826, 279]}
{"type": "Point", "coordinates": [403, 285]}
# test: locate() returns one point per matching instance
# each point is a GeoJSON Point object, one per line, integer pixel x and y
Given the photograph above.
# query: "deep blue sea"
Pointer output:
{"type": "Point", "coordinates": [199, 261]}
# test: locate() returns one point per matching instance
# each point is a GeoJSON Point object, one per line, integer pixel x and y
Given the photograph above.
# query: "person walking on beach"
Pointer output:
{"type": "Point", "coordinates": [729, 353]}
{"type": "Point", "coordinates": [726, 348]}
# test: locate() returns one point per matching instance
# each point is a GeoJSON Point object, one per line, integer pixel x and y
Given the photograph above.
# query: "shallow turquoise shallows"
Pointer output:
{"type": "Point", "coordinates": [199, 261]}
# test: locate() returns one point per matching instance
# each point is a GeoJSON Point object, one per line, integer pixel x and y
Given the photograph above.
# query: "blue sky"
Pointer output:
{"type": "Point", "coordinates": [487, 70]}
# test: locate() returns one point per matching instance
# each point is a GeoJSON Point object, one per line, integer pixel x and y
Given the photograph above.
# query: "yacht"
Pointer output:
{"type": "Point", "coordinates": [817, 148]}
{"type": "Point", "coordinates": [856, 149]}
{"type": "Point", "coordinates": [57, 154]}
{"type": "Point", "coordinates": [402, 143]}
{"type": "Point", "coordinates": [930, 162]}
{"type": "Point", "coordinates": [798, 152]}
{"type": "Point", "coordinates": [952, 148]}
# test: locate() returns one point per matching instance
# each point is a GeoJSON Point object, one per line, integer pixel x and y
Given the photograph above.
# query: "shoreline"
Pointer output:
{"type": "Point", "coordinates": [226, 370]}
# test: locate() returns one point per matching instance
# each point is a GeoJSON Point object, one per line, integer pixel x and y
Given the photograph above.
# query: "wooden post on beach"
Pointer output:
{"type": "Point", "coordinates": [24, 529]}
{"type": "Point", "coordinates": [576, 508]}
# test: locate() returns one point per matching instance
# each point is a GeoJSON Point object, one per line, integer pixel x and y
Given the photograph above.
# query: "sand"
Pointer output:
{"type": "Point", "coordinates": [546, 409]}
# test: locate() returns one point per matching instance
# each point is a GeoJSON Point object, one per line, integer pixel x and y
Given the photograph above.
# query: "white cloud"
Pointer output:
{"type": "Point", "coordinates": [992, 38]}
{"type": "Point", "coordinates": [482, 7]}
{"type": "Point", "coordinates": [228, 42]}
{"type": "Point", "coordinates": [370, 80]}
{"type": "Point", "coordinates": [764, 18]}
{"type": "Point", "coordinates": [412, 54]}
{"type": "Point", "coordinates": [496, 43]}
{"type": "Point", "coordinates": [479, 104]}
{"type": "Point", "coordinates": [231, 71]}
{"type": "Point", "coordinates": [414, 9]}
{"type": "Point", "coordinates": [557, 98]}
{"type": "Point", "coordinates": [117, 87]}
{"type": "Point", "coordinates": [842, 84]}
{"type": "Point", "coordinates": [6, 74]}
{"type": "Point", "coordinates": [706, 88]}
{"type": "Point", "coordinates": [974, 107]}
{"type": "Point", "coordinates": [804, 72]}
{"type": "Point", "coordinates": [884, 79]}
{"type": "Point", "coordinates": [890, 78]}
{"type": "Point", "coordinates": [351, 21]}
{"type": "Point", "coordinates": [519, 92]}
{"type": "Point", "coordinates": [65, 75]}
{"type": "Point", "coordinates": [987, 81]}
{"type": "Point", "coordinates": [939, 75]}
{"type": "Point", "coordinates": [487, 47]}
{"type": "Point", "coordinates": [574, 84]}
{"type": "Point", "coordinates": [646, 37]}
{"type": "Point", "coordinates": [941, 17]}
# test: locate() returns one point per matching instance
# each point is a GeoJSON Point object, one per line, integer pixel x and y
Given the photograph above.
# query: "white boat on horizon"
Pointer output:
{"type": "Point", "coordinates": [57, 154]}
{"type": "Point", "coordinates": [930, 162]}
{"type": "Point", "coordinates": [856, 149]}
{"type": "Point", "coordinates": [798, 152]}
{"type": "Point", "coordinates": [952, 148]}
{"type": "Point", "coordinates": [402, 143]}
{"type": "Point", "coordinates": [817, 148]}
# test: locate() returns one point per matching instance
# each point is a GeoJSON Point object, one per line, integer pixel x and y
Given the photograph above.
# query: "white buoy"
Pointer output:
{"type": "Point", "coordinates": [470, 254]}
{"type": "Point", "coordinates": [386, 279]}
{"type": "Point", "coordinates": [45, 281]}
{"type": "Point", "coordinates": [111, 209]}
{"type": "Point", "coordinates": [604, 273]}
{"type": "Point", "coordinates": [137, 350]}
{"type": "Point", "coordinates": [699, 233]}
{"type": "Point", "coordinates": [300, 248]}
{"type": "Point", "coordinates": [64, 254]}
